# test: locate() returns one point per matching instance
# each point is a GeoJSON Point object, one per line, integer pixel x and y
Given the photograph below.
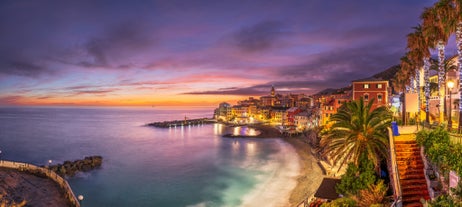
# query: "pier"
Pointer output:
{"type": "Point", "coordinates": [185, 122]}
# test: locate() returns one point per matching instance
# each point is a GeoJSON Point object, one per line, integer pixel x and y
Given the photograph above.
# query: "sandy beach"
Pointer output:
{"type": "Point", "coordinates": [37, 191]}
{"type": "Point", "coordinates": [310, 176]}
{"type": "Point", "coordinates": [310, 173]}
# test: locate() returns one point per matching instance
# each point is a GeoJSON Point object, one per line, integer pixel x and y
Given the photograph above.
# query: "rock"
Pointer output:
{"type": "Point", "coordinates": [70, 169]}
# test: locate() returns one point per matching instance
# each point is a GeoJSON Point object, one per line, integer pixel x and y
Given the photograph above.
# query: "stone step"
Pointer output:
{"type": "Point", "coordinates": [410, 172]}
{"type": "Point", "coordinates": [412, 176]}
{"type": "Point", "coordinates": [421, 182]}
{"type": "Point", "coordinates": [406, 142]}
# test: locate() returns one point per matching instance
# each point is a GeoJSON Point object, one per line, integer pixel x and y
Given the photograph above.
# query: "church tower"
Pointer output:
{"type": "Point", "coordinates": [273, 93]}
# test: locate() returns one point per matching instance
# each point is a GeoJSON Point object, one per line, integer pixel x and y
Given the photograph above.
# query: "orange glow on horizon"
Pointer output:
{"type": "Point", "coordinates": [179, 100]}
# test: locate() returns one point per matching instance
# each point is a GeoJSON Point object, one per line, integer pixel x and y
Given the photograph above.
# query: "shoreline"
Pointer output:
{"type": "Point", "coordinates": [310, 173]}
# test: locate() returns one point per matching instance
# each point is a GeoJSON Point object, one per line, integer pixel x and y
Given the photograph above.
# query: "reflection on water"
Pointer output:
{"type": "Point", "coordinates": [145, 166]}
{"type": "Point", "coordinates": [245, 131]}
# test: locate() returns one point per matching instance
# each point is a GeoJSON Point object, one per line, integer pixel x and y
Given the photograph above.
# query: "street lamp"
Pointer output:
{"type": "Point", "coordinates": [450, 86]}
{"type": "Point", "coordinates": [80, 198]}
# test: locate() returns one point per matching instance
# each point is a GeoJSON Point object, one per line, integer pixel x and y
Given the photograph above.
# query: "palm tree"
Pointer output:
{"type": "Point", "coordinates": [448, 65]}
{"type": "Point", "coordinates": [402, 79]}
{"type": "Point", "coordinates": [419, 54]}
{"type": "Point", "coordinates": [357, 131]}
{"type": "Point", "coordinates": [457, 17]}
{"type": "Point", "coordinates": [437, 30]}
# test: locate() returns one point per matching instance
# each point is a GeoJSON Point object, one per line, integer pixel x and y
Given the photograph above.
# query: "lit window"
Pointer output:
{"type": "Point", "coordinates": [366, 85]}
{"type": "Point", "coordinates": [366, 97]}
{"type": "Point", "coordinates": [379, 85]}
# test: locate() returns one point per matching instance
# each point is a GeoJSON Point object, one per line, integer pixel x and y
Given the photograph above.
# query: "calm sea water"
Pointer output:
{"type": "Point", "coordinates": [145, 166]}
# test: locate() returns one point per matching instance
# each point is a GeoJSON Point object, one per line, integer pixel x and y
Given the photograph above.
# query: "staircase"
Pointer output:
{"type": "Point", "coordinates": [411, 173]}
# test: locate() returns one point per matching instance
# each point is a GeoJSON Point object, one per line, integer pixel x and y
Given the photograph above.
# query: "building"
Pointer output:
{"type": "Point", "coordinates": [223, 112]}
{"type": "Point", "coordinates": [269, 100]}
{"type": "Point", "coordinates": [370, 89]}
{"type": "Point", "coordinates": [291, 115]}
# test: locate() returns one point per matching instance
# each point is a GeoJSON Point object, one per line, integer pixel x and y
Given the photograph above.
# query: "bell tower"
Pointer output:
{"type": "Point", "coordinates": [273, 93]}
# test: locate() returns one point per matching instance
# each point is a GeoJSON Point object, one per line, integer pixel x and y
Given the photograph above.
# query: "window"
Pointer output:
{"type": "Point", "coordinates": [366, 97]}
{"type": "Point", "coordinates": [379, 98]}
{"type": "Point", "coordinates": [366, 85]}
{"type": "Point", "coordinates": [379, 85]}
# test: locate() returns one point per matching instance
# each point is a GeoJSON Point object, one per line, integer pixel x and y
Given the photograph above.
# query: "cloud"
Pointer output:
{"type": "Point", "coordinates": [10, 100]}
{"type": "Point", "coordinates": [262, 89]}
{"type": "Point", "coordinates": [343, 64]}
{"type": "Point", "coordinates": [94, 92]}
{"type": "Point", "coordinates": [18, 66]}
{"type": "Point", "coordinates": [259, 37]}
{"type": "Point", "coordinates": [115, 47]}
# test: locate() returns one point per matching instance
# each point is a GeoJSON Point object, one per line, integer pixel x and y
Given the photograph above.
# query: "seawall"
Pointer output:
{"type": "Point", "coordinates": [20, 166]}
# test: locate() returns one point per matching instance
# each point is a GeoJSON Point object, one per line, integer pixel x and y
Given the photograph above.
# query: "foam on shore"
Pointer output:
{"type": "Point", "coordinates": [277, 182]}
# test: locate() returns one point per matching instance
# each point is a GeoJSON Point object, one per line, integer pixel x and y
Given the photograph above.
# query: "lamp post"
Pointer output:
{"type": "Point", "coordinates": [80, 198]}
{"type": "Point", "coordinates": [450, 86]}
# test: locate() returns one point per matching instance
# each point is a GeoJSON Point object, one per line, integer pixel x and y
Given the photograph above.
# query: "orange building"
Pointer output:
{"type": "Point", "coordinates": [371, 88]}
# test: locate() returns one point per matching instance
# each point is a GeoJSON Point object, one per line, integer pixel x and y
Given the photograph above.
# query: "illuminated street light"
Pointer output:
{"type": "Point", "coordinates": [80, 198]}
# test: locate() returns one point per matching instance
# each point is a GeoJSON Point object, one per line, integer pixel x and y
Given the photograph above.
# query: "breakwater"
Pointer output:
{"type": "Point", "coordinates": [185, 122]}
{"type": "Point", "coordinates": [69, 168]}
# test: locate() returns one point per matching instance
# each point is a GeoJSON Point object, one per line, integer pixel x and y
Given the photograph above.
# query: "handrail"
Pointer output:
{"type": "Point", "coordinates": [21, 166]}
{"type": "Point", "coordinates": [395, 173]}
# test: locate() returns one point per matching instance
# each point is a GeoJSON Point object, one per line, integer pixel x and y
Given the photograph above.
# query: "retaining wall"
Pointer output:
{"type": "Point", "coordinates": [49, 173]}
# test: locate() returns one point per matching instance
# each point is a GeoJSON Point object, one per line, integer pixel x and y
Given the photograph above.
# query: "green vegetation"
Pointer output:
{"type": "Point", "coordinates": [373, 195]}
{"type": "Point", "coordinates": [357, 131]}
{"type": "Point", "coordinates": [341, 202]}
{"type": "Point", "coordinates": [439, 149]}
{"type": "Point", "coordinates": [446, 157]}
{"type": "Point", "coordinates": [358, 137]}
{"type": "Point", "coordinates": [357, 178]}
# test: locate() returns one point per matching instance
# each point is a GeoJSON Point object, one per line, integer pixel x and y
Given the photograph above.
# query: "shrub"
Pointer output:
{"type": "Point", "coordinates": [341, 202]}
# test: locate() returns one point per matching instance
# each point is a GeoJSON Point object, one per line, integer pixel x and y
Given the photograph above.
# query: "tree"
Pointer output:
{"type": "Point", "coordinates": [402, 77]}
{"type": "Point", "coordinates": [457, 16]}
{"type": "Point", "coordinates": [357, 177]}
{"type": "Point", "coordinates": [357, 131]}
{"type": "Point", "coordinates": [419, 54]}
{"type": "Point", "coordinates": [437, 30]}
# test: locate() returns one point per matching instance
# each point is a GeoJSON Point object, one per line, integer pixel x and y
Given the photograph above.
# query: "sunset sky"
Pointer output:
{"type": "Point", "coordinates": [193, 52]}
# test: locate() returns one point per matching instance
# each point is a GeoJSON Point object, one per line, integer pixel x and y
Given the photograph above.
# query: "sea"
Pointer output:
{"type": "Point", "coordinates": [189, 166]}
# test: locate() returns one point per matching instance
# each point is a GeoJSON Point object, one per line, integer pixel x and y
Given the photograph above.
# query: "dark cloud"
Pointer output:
{"type": "Point", "coordinates": [264, 89]}
{"type": "Point", "coordinates": [94, 92]}
{"type": "Point", "coordinates": [259, 37]}
{"type": "Point", "coordinates": [22, 67]}
{"type": "Point", "coordinates": [120, 42]}
{"type": "Point", "coordinates": [344, 64]}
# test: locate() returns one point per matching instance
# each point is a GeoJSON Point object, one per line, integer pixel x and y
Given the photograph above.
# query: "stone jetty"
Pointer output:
{"type": "Point", "coordinates": [185, 122]}
{"type": "Point", "coordinates": [69, 168]}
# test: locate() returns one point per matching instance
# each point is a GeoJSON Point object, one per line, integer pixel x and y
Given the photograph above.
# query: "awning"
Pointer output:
{"type": "Point", "coordinates": [327, 189]}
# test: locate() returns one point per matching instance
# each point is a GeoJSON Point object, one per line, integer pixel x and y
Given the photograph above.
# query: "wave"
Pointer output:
{"type": "Point", "coordinates": [273, 190]}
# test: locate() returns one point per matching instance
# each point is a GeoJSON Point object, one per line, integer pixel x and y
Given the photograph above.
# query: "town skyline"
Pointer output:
{"type": "Point", "coordinates": [200, 53]}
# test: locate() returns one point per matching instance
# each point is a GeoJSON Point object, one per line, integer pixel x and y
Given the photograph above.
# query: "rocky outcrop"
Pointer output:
{"type": "Point", "coordinates": [69, 168]}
